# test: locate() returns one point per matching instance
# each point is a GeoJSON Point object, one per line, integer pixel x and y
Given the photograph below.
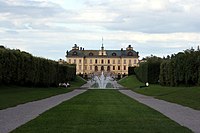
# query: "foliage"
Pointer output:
{"type": "Point", "coordinates": [181, 69]}
{"type": "Point", "coordinates": [149, 71]}
{"type": "Point", "coordinates": [21, 68]}
{"type": "Point", "coordinates": [131, 71]}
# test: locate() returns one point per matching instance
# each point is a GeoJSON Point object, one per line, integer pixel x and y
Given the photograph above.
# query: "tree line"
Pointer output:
{"type": "Point", "coordinates": [21, 68]}
{"type": "Point", "coordinates": [181, 69]}
{"type": "Point", "coordinates": [149, 70]}
{"type": "Point", "coordinates": [178, 69]}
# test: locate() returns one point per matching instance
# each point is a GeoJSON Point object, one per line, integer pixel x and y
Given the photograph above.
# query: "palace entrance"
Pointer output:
{"type": "Point", "coordinates": [102, 68]}
{"type": "Point", "coordinates": [96, 68]}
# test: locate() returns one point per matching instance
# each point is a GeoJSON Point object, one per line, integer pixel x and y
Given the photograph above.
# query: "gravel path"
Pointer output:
{"type": "Point", "coordinates": [14, 117]}
{"type": "Point", "coordinates": [185, 116]}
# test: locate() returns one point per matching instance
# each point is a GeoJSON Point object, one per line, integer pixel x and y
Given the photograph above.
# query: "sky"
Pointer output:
{"type": "Point", "coordinates": [48, 28]}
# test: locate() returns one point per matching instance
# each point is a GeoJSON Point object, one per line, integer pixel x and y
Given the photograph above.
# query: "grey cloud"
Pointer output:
{"type": "Point", "coordinates": [173, 18]}
{"type": "Point", "coordinates": [28, 14]}
{"type": "Point", "coordinates": [6, 24]}
{"type": "Point", "coordinates": [30, 8]}
{"type": "Point", "coordinates": [12, 32]}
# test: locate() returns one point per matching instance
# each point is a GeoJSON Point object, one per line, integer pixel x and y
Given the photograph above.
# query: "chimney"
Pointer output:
{"type": "Point", "coordinates": [80, 48]}
{"type": "Point", "coordinates": [121, 49]}
{"type": "Point", "coordinates": [83, 49]}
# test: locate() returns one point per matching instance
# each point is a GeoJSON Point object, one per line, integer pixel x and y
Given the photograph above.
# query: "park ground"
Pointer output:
{"type": "Point", "coordinates": [101, 111]}
{"type": "Point", "coordinates": [13, 95]}
{"type": "Point", "coordinates": [186, 96]}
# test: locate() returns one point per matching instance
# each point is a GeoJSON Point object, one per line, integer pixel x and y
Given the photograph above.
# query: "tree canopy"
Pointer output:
{"type": "Point", "coordinates": [21, 68]}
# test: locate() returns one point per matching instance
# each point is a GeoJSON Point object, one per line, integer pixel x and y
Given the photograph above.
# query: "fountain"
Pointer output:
{"type": "Point", "coordinates": [103, 82]}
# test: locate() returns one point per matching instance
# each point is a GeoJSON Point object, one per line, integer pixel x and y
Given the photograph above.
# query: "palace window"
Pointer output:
{"type": "Point", "coordinates": [113, 67]}
{"type": "Point", "coordinates": [85, 67]}
{"type": "Point", "coordinates": [96, 61]}
{"type": "Point", "coordinates": [90, 61]}
{"type": "Point", "coordinates": [114, 54]}
{"type": "Point", "coordinates": [135, 61]}
{"type": "Point", "coordinates": [124, 67]}
{"type": "Point", "coordinates": [118, 61]}
{"type": "Point", "coordinates": [124, 61]}
{"type": "Point", "coordinates": [108, 68]}
{"type": "Point", "coordinates": [74, 53]}
{"type": "Point", "coordinates": [118, 67]}
{"type": "Point", "coordinates": [69, 61]}
{"type": "Point", "coordinates": [96, 68]}
{"type": "Point", "coordinates": [108, 61]}
{"type": "Point", "coordinates": [90, 67]}
{"type": "Point", "coordinates": [129, 62]}
{"type": "Point", "coordinates": [113, 61]}
{"type": "Point", "coordinates": [101, 61]}
{"type": "Point", "coordinates": [74, 61]}
{"type": "Point", "coordinates": [91, 54]}
{"type": "Point", "coordinates": [102, 68]}
{"type": "Point", "coordinates": [130, 54]}
{"type": "Point", "coordinates": [85, 61]}
{"type": "Point", "coordinates": [80, 61]}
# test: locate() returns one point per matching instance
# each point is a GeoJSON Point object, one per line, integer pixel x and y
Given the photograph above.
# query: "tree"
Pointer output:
{"type": "Point", "coordinates": [21, 68]}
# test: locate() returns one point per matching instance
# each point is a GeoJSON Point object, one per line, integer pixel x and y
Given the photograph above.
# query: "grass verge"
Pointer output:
{"type": "Point", "coordinates": [101, 111]}
{"type": "Point", "coordinates": [187, 96]}
{"type": "Point", "coordinates": [13, 95]}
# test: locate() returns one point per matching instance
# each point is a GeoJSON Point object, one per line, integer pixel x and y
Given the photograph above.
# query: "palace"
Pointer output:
{"type": "Point", "coordinates": [110, 61]}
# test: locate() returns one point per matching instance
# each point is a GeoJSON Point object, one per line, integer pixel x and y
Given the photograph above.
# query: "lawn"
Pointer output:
{"type": "Point", "coordinates": [13, 95]}
{"type": "Point", "coordinates": [187, 96]}
{"type": "Point", "coordinates": [101, 111]}
{"type": "Point", "coordinates": [130, 82]}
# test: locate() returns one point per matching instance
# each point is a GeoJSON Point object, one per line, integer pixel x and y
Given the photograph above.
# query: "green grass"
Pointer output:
{"type": "Point", "coordinates": [13, 95]}
{"type": "Point", "coordinates": [101, 111]}
{"type": "Point", "coordinates": [187, 96]}
{"type": "Point", "coordinates": [130, 82]}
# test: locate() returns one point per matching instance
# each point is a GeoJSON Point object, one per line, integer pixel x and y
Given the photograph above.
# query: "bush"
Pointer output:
{"type": "Point", "coordinates": [131, 71]}
{"type": "Point", "coordinates": [149, 71]}
{"type": "Point", "coordinates": [181, 69]}
{"type": "Point", "coordinates": [21, 68]}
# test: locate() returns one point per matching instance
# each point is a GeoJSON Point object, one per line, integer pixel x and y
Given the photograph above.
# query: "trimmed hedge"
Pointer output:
{"type": "Point", "coordinates": [182, 69]}
{"type": "Point", "coordinates": [149, 71]}
{"type": "Point", "coordinates": [21, 68]}
{"type": "Point", "coordinates": [142, 72]}
{"type": "Point", "coordinates": [131, 71]}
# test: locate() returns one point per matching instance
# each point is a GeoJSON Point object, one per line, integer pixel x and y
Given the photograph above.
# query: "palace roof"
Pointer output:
{"type": "Point", "coordinates": [76, 52]}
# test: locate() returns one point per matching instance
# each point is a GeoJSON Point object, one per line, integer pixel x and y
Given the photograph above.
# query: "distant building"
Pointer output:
{"type": "Point", "coordinates": [109, 61]}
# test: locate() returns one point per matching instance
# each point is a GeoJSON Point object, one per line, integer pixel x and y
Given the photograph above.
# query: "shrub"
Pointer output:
{"type": "Point", "coordinates": [21, 68]}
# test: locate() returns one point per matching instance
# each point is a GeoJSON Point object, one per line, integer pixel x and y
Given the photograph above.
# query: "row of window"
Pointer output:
{"type": "Point", "coordinates": [102, 68]}
{"type": "Point", "coordinates": [102, 61]}
{"type": "Point", "coordinates": [113, 54]}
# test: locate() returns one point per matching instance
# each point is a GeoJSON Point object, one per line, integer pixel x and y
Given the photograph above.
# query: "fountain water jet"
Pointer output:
{"type": "Point", "coordinates": [102, 82]}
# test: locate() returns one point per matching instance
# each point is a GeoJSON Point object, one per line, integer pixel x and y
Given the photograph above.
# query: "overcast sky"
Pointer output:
{"type": "Point", "coordinates": [48, 28]}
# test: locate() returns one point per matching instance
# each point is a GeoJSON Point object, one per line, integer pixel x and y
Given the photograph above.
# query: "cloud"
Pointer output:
{"type": "Point", "coordinates": [149, 16]}
{"type": "Point", "coordinates": [45, 27]}
{"type": "Point", "coordinates": [30, 8]}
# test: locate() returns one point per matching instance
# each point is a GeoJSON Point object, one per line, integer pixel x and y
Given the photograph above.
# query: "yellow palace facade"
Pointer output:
{"type": "Point", "coordinates": [109, 61]}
